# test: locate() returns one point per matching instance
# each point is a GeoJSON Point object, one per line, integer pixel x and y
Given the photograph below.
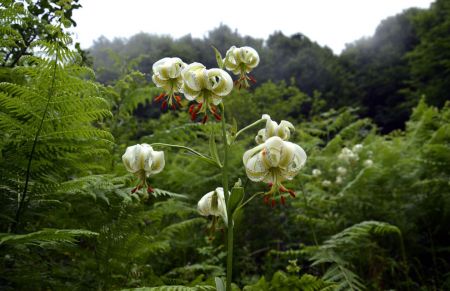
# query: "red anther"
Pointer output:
{"type": "Point", "coordinates": [199, 106]}
{"type": "Point", "coordinates": [193, 115]}
{"type": "Point", "coordinates": [191, 108]}
{"type": "Point", "coordinates": [283, 200]}
{"type": "Point", "coordinates": [164, 105]}
{"type": "Point", "coordinates": [252, 79]}
{"type": "Point", "coordinates": [150, 190]}
{"type": "Point", "coordinates": [270, 185]}
{"type": "Point", "coordinates": [213, 109]}
{"type": "Point", "coordinates": [266, 199]}
{"type": "Point", "coordinates": [173, 106]}
{"type": "Point", "coordinates": [159, 97]}
{"type": "Point", "coordinates": [282, 189]}
{"type": "Point", "coordinates": [217, 116]}
{"type": "Point", "coordinates": [273, 203]}
{"type": "Point", "coordinates": [292, 193]}
{"type": "Point", "coordinates": [134, 189]}
{"type": "Point", "coordinates": [178, 98]}
{"type": "Point", "coordinates": [236, 82]}
{"type": "Point", "coordinates": [205, 118]}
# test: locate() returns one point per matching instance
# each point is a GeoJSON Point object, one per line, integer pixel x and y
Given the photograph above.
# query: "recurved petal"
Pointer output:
{"type": "Point", "coordinates": [157, 66]}
{"type": "Point", "coordinates": [176, 66]}
{"type": "Point", "coordinates": [261, 136]}
{"type": "Point", "coordinates": [249, 56]}
{"type": "Point", "coordinates": [194, 76]}
{"type": "Point", "coordinates": [158, 162]}
{"type": "Point", "coordinates": [219, 82]}
{"type": "Point", "coordinates": [129, 159]}
{"type": "Point", "coordinates": [256, 168]}
{"type": "Point", "coordinates": [145, 157]}
{"type": "Point", "coordinates": [271, 126]}
{"type": "Point", "coordinates": [189, 93]}
{"type": "Point", "coordinates": [273, 151]}
{"type": "Point", "coordinates": [284, 129]}
{"type": "Point", "coordinates": [292, 160]}
{"type": "Point", "coordinates": [165, 84]}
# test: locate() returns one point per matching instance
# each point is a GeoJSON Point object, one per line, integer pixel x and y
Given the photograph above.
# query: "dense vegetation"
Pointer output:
{"type": "Point", "coordinates": [69, 219]}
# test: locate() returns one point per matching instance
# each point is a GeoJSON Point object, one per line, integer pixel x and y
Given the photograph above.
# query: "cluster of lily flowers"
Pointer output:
{"type": "Point", "coordinates": [348, 158]}
{"type": "Point", "coordinates": [273, 160]}
{"type": "Point", "coordinates": [206, 87]}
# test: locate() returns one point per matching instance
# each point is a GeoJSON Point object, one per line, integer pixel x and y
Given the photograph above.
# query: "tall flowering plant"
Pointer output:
{"type": "Point", "coordinates": [273, 160]}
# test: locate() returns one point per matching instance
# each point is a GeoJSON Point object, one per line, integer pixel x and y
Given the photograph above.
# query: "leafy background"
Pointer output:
{"type": "Point", "coordinates": [68, 219]}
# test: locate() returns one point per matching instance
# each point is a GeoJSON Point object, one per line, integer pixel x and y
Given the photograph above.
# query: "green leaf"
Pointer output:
{"type": "Point", "coordinates": [220, 286]}
{"type": "Point", "coordinates": [218, 58]}
{"type": "Point", "coordinates": [237, 194]}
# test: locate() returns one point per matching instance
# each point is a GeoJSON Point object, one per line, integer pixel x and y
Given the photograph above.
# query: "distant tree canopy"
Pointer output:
{"type": "Point", "coordinates": [384, 75]}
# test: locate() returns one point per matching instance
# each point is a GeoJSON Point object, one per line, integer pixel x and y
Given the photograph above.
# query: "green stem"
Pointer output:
{"type": "Point", "coordinates": [20, 208]}
{"type": "Point", "coordinates": [200, 155]}
{"type": "Point", "coordinates": [248, 127]}
{"type": "Point", "coordinates": [248, 200]}
{"type": "Point", "coordinates": [229, 214]}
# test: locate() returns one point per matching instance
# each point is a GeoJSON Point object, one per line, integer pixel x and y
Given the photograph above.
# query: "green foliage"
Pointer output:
{"type": "Point", "coordinates": [355, 238]}
{"type": "Point", "coordinates": [69, 219]}
{"type": "Point", "coordinates": [44, 237]}
{"type": "Point", "coordinates": [429, 60]}
{"type": "Point", "coordinates": [284, 282]}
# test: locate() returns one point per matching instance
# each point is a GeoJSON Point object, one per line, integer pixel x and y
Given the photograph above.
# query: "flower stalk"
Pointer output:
{"type": "Point", "coordinates": [230, 227]}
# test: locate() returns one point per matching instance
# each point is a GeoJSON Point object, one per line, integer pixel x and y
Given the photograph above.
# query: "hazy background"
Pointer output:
{"type": "Point", "coordinates": [329, 23]}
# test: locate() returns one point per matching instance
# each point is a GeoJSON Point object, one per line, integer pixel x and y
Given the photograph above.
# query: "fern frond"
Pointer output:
{"type": "Point", "coordinates": [45, 236]}
{"type": "Point", "coordinates": [174, 288]}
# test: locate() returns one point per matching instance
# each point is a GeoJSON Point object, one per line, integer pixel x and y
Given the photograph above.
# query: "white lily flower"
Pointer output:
{"type": "Point", "coordinates": [282, 130]}
{"type": "Point", "coordinates": [274, 161]}
{"type": "Point", "coordinates": [167, 75]}
{"type": "Point", "coordinates": [342, 171]}
{"type": "Point", "coordinates": [143, 161]}
{"type": "Point", "coordinates": [368, 163]}
{"type": "Point", "coordinates": [213, 203]}
{"type": "Point", "coordinates": [200, 83]}
{"type": "Point", "coordinates": [241, 60]}
{"type": "Point", "coordinates": [316, 172]}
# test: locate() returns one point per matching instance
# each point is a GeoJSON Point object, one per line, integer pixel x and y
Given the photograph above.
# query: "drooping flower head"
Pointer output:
{"type": "Point", "coordinates": [206, 87]}
{"type": "Point", "coordinates": [213, 203]}
{"type": "Point", "coordinates": [282, 130]}
{"type": "Point", "coordinates": [167, 75]}
{"type": "Point", "coordinates": [273, 162]}
{"type": "Point", "coordinates": [241, 61]}
{"type": "Point", "coordinates": [143, 161]}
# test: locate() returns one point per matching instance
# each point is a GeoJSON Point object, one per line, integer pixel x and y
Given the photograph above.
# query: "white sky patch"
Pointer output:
{"type": "Point", "coordinates": [331, 23]}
